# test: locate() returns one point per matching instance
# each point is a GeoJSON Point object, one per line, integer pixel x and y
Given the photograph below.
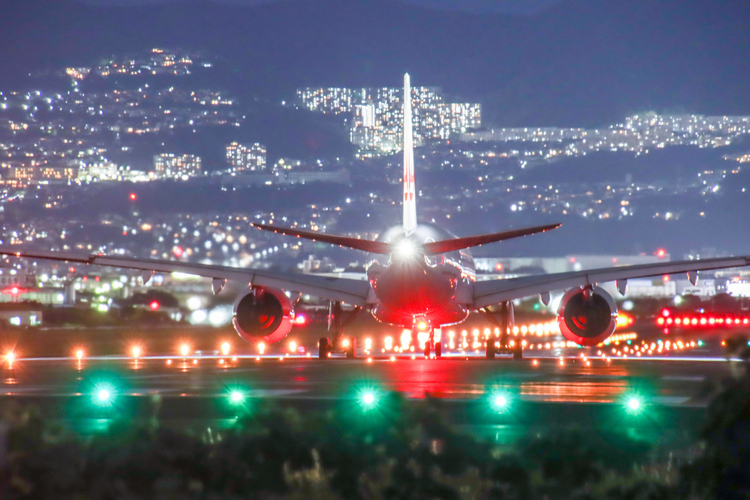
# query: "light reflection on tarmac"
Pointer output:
{"type": "Point", "coordinates": [669, 381]}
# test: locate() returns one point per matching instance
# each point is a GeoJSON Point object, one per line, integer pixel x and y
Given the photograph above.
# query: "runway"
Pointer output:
{"type": "Point", "coordinates": [191, 382]}
{"type": "Point", "coordinates": [549, 388]}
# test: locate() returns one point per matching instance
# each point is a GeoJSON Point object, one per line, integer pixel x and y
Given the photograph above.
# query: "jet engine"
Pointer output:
{"type": "Point", "coordinates": [587, 316]}
{"type": "Point", "coordinates": [263, 315]}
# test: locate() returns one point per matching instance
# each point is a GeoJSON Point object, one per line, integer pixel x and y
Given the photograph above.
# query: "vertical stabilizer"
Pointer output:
{"type": "Point", "coordinates": [410, 202]}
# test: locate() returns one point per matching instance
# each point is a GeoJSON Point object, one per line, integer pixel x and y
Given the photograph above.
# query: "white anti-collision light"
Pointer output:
{"type": "Point", "coordinates": [406, 248]}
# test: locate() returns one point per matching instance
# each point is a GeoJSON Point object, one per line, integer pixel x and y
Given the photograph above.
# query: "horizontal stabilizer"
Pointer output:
{"type": "Point", "coordinates": [475, 241]}
{"type": "Point", "coordinates": [366, 245]}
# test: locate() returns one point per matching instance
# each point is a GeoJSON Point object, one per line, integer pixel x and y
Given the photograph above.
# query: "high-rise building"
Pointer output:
{"type": "Point", "coordinates": [377, 113]}
{"type": "Point", "coordinates": [169, 165]}
{"type": "Point", "coordinates": [246, 157]}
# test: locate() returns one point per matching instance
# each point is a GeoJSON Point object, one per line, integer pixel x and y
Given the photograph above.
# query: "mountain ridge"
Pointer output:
{"type": "Point", "coordinates": [579, 62]}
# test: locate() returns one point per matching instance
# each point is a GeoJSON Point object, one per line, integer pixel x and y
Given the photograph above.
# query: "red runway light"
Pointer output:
{"type": "Point", "coordinates": [665, 313]}
{"type": "Point", "coordinates": [133, 196]}
{"type": "Point", "coordinates": [661, 253]}
{"type": "Point", "coordinates": [660, 321]}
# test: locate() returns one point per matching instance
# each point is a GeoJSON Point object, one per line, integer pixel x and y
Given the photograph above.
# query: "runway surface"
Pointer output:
{"type": "Point", "coordinates": [549, 388]}
{"type": "Point", "coordinates": [672, 381]}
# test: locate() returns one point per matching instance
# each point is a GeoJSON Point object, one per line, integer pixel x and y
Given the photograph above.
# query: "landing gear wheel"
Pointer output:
{"type": "Point", "coordinates": [351, 352]}
{"type": "Point", "coordinates": [517, 352]}
{"type": "Point", "coordinates": [324, 347]}
{"type": "Point", "coordinates": [438, 349]}
{"type": "Point", "coordinates": [490, 348]}
{"type": "Point", "coordinates": [427, 350]}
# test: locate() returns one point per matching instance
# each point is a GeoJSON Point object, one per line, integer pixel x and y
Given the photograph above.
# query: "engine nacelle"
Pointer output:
{"type": "Point", "coordinates": [263, 315]}
{"type": "Point", "coordinates": [587, 317]}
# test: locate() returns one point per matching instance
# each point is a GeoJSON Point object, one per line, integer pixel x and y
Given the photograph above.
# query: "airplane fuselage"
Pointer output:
{"type": "Point", "coordinates": [412, 287]}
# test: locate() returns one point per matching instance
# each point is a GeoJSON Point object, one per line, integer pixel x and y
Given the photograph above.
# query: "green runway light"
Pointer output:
{"type": "Point", "coordinates": [368, 399]}
{"type": "Point", "coordinates": [236, 397]}
{"type": "Point", "coordinates": [634, 405]}
{"type": "Point", "coordinates": [103, 395]}
{"type": "Point", "coordinates": [499, 402]}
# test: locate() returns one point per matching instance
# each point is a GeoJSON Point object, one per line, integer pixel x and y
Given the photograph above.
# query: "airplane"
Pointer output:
{"type": "Point", "coordinates": [419, 277]}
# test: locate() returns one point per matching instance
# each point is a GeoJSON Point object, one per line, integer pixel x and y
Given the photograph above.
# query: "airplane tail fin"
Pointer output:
{"type": "Point", "coordinates": [409, 202]}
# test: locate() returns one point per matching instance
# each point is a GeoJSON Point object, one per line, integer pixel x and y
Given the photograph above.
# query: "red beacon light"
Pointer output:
{"type": "Point", "coordinates": [133, 196]}
{"type": "Point", "coordinates": [661, 253]}
{"type": "Point", "coordinates": [154, 305]}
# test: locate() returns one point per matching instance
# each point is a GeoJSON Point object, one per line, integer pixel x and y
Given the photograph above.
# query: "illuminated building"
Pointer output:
{"type": "Point", "coordinates": [246, 157]}
{"type": "Point", "coordinates": [377, 114]}
{"type": "Point", "coordinates": [25, 175]}
{"type": "Point", "coordinates": [104, 171]}
{"type": "Point", "coordinates": [169, 165]}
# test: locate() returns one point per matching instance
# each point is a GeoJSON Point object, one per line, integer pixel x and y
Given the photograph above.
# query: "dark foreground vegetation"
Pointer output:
{"type": "Point", "coordinates": [392, 450]}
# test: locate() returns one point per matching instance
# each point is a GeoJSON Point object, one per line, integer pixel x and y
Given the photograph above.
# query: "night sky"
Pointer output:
{"type": "Point", "coordinates": [479, 6]}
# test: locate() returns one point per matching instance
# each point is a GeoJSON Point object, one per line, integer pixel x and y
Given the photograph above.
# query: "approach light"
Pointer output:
{"type": "Point", "coordinates": [225, 348]}
{"type": "Point", "coordinates": [136, 351]}
{"type": "Point", "coordinates": [10, 357]}
{"type": "Point", "coordinates": [79, 354]}
{"type": "Point", "coordinates": [406, 248]}
{"type": "Point", "coordinates": [184, 349]}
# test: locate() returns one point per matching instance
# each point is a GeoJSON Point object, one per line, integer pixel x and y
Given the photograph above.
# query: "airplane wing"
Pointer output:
{"type": "Point", "coordinates": [491, 292]}
{"type": "Point", "coordinates": [347, 290]}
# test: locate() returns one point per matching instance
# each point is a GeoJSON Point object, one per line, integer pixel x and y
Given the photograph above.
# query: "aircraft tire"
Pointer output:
{"type": "Point", "coordinates": [324, 347]}
{"type": "Point", "coordinates": [438, 349]}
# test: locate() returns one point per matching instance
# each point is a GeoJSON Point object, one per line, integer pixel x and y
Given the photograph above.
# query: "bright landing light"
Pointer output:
{"type": "Point", "coordinates": [500, 402]}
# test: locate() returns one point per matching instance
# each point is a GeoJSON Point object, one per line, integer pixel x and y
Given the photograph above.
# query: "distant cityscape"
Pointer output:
{"type": "Point", "coordinates": [377, 114]}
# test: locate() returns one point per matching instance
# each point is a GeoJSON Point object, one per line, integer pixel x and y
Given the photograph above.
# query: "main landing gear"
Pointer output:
{"type": "Point", "coordinates": [336, 324]}
{"type": "Point", "coordinates": [432, 348]}
{"type": "Point", "coordinates": [505, 324]}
